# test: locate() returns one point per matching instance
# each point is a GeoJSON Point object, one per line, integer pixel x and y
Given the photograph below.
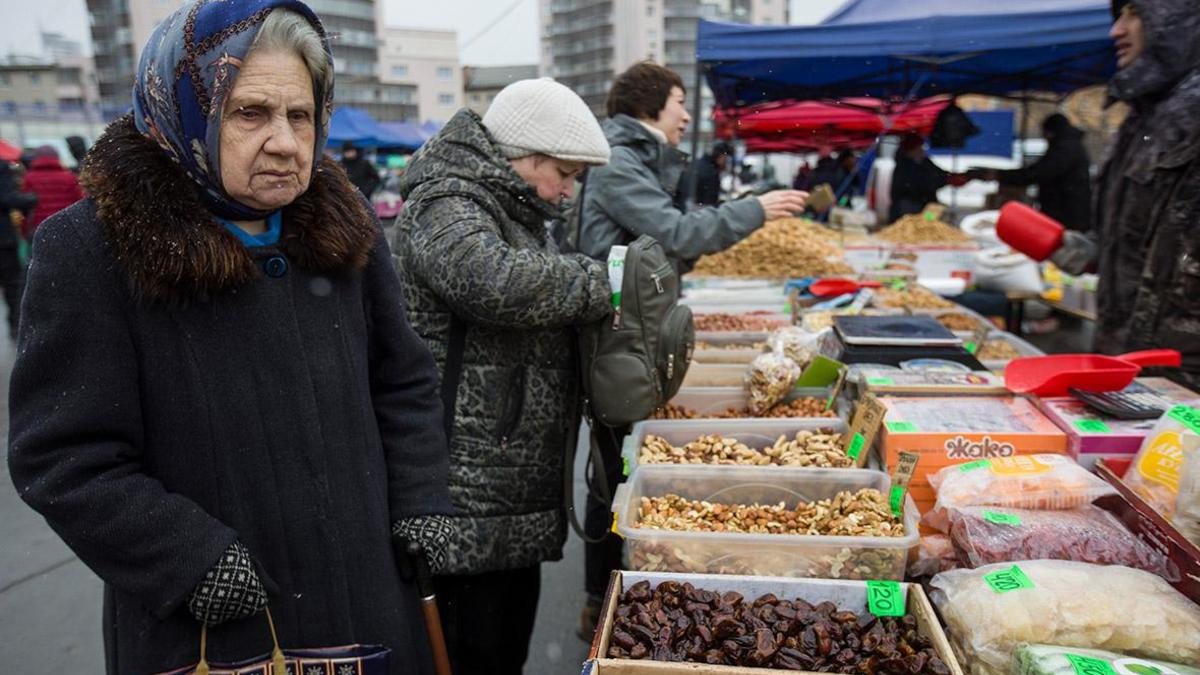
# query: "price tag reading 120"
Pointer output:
{"type": "Point", "coordinates": [885, 598]}
{"type": "Point", "coordinates": [1008, 580]}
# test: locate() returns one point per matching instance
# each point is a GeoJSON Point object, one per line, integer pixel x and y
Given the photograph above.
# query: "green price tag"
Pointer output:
{"type": "Point", "coordinates": [977, 464]}
{"type": "Point", "coordinates": [856, 447]}
{"type": "Point", "coordinates": [897, 500]}
{"type": "Point", "coordinates": [1002, 518]}
{"type": "Point", "coordinates": [625, 466]}
{"type": "Point", "coordinates": [1011, 579]}
{"type": "Point", "coordinates": [1092, 427]}
{"type": "Point", "coordinates": [930, 216]}
{"type": "Point", "coordinates": [901, 427]}
{"type": "Point", "coordinates": [1188, 416]}
{"type": "Point", "coordinates": [1086, 665]}
{"type": "Point", "coordinates": [881, 381]}
{"type": "Point", "coordinates": [885, 598]}
{"type": "Point", "coordinates": [971, 347]}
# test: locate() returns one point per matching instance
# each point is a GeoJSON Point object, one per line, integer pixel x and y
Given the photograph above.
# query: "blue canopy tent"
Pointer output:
{"type": "Point", "coordinates": [356, 126]}
{"type": "Point", "coordinates": [406, 135]}
{"type": "Point", "coordinates": [895, 50]}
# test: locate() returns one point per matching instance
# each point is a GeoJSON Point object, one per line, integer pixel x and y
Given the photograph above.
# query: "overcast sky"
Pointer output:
{"type": "Point", "coordinates": [491, 32]}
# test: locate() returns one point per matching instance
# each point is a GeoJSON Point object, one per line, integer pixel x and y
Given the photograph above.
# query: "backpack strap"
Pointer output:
{"type": "Point", "coordinates": [453, 371]}
{"type": "Point", "coordinates": [593, 477]}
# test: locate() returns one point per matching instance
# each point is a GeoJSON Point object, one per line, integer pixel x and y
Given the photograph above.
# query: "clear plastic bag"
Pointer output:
{"type": "Point", "coordinates": [992, 610]}
{"type": "Point", "coordinates": [935, 554]}
{"type": "Point", "coordinates": [1154, 474]}
{"type": "Point", "coordinates": [984, 535]}
{"type": "Point", "coordinates": [772, 377]}
{"type": "Point", "coordinates": [1187, 502]}
{"type": "Point", "coordinates": [1053, 660]}
{"type": "Point", "coordinates": [795, 343]}
{"type": "Point", "coordinates": [1040, 482]}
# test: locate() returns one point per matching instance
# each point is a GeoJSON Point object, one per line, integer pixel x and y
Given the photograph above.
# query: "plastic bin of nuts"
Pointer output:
{"type": "Point", "coordinates": [694, 403]}
{"type": "Point", "coordinates": [875, 548]}
{"type": "Point", "coordinates": [752, 434]}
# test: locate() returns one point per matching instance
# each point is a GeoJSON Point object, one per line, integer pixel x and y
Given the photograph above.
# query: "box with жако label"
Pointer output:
{"type": "Point", "coordinates": [948, 430]}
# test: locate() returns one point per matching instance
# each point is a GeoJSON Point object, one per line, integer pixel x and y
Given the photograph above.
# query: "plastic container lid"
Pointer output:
{"type": "Point", "coordinates": [933, 365]}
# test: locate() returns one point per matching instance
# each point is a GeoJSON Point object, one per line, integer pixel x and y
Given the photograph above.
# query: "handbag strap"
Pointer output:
{"type": "Point", "coordinates": [278, 664]}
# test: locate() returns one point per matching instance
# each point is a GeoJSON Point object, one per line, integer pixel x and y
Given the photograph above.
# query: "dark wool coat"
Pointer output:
{"type": "Point", "coordinates": [1148, 196]}
{"type": "Point", "coordinates": [472, 243]}
{"type": "Point", "coordinates": [170, 398]}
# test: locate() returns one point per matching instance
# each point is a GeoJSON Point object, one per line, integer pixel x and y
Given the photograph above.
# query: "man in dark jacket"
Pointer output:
{"type": "Point", "coordinates": [1061, 175]}
{"type": "Point", "coordinates": [360, 170]}
{"type": "Point", "coordinates": [916, 179]}
{"type": "Point", "coordinates": [704, 175]}
{"type": "Point", "coordinates": [11, 274]}
{"type": "Point", "coordinates": [1145, 240]}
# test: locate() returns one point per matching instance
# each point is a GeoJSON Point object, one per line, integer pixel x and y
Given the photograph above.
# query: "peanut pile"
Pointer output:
{"type": "Point", "coordinates": [916, 229]}
{"type": "Point", "coordinates": [959, 322]}
{"type": "Point", "coordinates": [720, 321]}
{"type": "Point", "coordinates": [862, 513]}
{"type": "Point", "coordinates": [997, 350]}
{"type": "Point", "coordinates": [808, 448]}
{"type": "Point", "coordinates": [784, 248]}
{"type": "Point", "coordinates": [912, 297]}
{"type": "Point", "coordinates": [805, 406]}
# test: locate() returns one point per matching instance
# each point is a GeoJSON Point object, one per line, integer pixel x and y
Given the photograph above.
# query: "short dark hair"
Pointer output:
{"type": "Point", "coordinates": [642, 90]}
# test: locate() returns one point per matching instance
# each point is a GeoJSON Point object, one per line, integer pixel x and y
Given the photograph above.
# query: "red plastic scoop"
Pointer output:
{"type": "Point", "coordinates": [1052, 375]}
{"type": "Point", "coordinates": [1029, 231]}
{"type": "Point", "coordinates": [826, 287]}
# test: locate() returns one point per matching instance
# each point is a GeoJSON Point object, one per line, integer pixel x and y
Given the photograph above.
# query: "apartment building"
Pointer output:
{"type": "Point", "coordinates": [482, 83]}
{"type": "Point", "coordinates": [426, 59]}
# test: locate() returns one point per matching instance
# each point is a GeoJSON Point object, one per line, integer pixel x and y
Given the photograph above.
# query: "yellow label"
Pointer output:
{"type": "Point", "coordinates": [1161, 461]}
{"type": "Point", "coordinates": [1019, 465]}
{"type": "Point", "coordinates": [614, 524]}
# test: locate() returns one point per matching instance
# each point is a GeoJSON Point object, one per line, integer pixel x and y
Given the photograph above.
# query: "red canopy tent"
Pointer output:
{"type": "Point", "coordinates": [9, 153]}
{"type": "Point", "coordinates": [823, 126]}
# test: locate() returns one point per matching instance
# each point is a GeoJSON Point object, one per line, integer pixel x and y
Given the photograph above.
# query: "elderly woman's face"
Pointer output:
{"type": "Point", "coordinates": [268, 130]}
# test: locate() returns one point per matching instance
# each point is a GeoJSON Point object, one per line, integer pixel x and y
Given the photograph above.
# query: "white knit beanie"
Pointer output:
{"type": "Point", "coordinates": [544, 117]}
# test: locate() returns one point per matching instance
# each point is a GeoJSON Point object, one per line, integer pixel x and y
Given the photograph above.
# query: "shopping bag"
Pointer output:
{"type": "Point", "coordinates": [344, 660]}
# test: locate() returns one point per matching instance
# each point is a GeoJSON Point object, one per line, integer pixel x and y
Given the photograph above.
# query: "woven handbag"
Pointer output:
{"type": "Point", "coordinates": [343, 660]}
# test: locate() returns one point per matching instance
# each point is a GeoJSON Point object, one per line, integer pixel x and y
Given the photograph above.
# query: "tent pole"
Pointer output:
{"type": "Point", "coordinates": [696, 108]}
{"type": "Point", "coordinates": [1024, 124]}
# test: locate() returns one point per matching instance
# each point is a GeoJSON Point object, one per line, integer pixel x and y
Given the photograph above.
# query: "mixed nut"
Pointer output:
{"type": "Point", "coordinates": [864, 513]}
{"type": "Point", "coordinates": [997, 350]}
{"type": "Point", "coordinates": [809, 448]}
{"type": "Point", "coordinates": [780, 249]}
{"type": "Point", "coordinates": [678, 622]}
{"type": "Point", "coordinates": [771, 379]}
{"type": "Point", "coordinates": [917, 229]}
{"type": "Point", "coordinates": [805, 406]}
{"type": "Point", "coordinates": [958, 322]}
{"type": "Point", "coordinates": [911, 297]}
{"type": "Point", "coordinates": [722, 322]}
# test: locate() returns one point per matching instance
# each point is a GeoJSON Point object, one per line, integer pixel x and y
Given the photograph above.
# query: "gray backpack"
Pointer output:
{"type": "Point", "coordinates": [634, 362]}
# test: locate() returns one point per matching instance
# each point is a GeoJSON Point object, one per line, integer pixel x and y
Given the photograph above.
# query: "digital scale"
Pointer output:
{"type": "Point", "coordinates": [891, 340]}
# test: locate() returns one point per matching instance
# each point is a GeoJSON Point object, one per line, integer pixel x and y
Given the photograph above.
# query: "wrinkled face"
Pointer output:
{"type": "Point", "coordinates": [673, 118]}
{"type": "Point", "coordinates": [268, 130]}
{"type": "Point", "coordinates": [554, 179]}
{"type": "Point", "coordinates": [1129, 36]}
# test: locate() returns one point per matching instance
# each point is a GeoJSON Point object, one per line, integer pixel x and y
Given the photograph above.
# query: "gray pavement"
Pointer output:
{"type": "Point", "coordinates": [50, 601]}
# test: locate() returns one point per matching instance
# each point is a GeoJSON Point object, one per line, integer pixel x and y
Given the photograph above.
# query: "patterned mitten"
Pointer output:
{"type": "Point", "coordinates": [432, 532]}
{"type": "Point", "coordinates": [230, 590]}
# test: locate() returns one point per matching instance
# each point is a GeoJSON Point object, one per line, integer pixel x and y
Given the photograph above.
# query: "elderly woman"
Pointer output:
{"type": "Point", "coordinates": [219, 403]}
{"type": "Point", "coordinates": [489, 292]}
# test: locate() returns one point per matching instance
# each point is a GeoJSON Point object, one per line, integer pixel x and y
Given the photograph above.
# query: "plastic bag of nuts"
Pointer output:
{"type": "Point", "coordinates": [795, 343]}
{"type": "Point", "coordinates": [772, 376]}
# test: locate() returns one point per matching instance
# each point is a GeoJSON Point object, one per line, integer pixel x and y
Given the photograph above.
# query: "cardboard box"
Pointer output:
{"type": "Point", "coordinates": [849, 595]}
{"type": "Point", "coordinates": [1145, 522]}
{"type": "Point", "coordinates": [948, 430]}
{"type": "Point", "coordinates": [1092, 435]}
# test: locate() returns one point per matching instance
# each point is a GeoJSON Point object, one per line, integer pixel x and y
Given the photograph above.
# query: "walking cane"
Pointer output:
{"type": "Point", "coordinates": [414, 555]}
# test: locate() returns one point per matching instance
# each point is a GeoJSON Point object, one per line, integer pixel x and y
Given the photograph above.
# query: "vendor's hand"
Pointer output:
{"type": "Point", "coordinates": [782, 203]}
{"type": "Point", "coordinates": [1075, 254]}
{"type": "Point", "coordinates": [433, 533]}
{"type": "Point", "coordinates": [230, 590]}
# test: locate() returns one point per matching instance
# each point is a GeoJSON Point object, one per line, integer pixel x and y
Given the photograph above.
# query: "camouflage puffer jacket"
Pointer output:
{"type": "Point", "coordinates": [472, 242]}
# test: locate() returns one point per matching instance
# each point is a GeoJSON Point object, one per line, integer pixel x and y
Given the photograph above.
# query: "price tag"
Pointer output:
{"type": "Point", "coordinates": [978, 338]}
{"type": "Point", "coordinates": [1187, 416]}
{"type": "Point", "coordinates": [881, 381]}
{"type": "Point", "coordinates": [885, 598]}
{"type": "Point", "coordinates": [625, 466]}
{"type": "Point", "coordinates": [868, 417]}
{"type": "Point", "coordinates": [897, 501]}
{"type": "Point", "coordinates": [977, 464]}
{"type": "Point", "coordinates": [1092, 427]}
{"type": "Point", "coordinates": [613, 527]}
{"type": "Point", "coordinates": [901, 427]}
{"type": "Point", "coordinates": [971, 347]}
{"type": "Point", "coordinates": [1005, 581]}
{"type": "Point", "coordinates": [1086, 665]}
{"type": "Point", "coordinates": [1002, 518]}
{"type": "Point", "coordinates": [837, 387]}
{"type": "Point", "coordinates": [856, 446]}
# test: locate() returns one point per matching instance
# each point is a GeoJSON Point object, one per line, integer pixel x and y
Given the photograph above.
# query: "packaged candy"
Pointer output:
{"type": "Point", "coordinates": [992, 610]}
{"type": "Point", "coordinates": [1039, 482]}
{"type": "Point", "coordinates": [1187, 502]}
{"type": "Point", "coordinates": [983, 535]}
{"type": "Point", "coordinates": [1052, 660]}
{"type": "Point", "coordinates": [772, 377]}
{"type": "Point", "coordinates": [1154, 474]}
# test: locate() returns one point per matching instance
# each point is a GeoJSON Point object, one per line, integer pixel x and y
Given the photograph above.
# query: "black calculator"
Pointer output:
{"type": "Point", "coordinates": [1125, 405]}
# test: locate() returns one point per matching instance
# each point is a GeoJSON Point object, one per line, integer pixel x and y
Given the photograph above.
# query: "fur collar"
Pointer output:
{"type": "Point", "coordinates": [173, 249]}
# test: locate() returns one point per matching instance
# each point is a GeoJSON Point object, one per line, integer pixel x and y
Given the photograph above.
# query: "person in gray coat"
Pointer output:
{"type": "Point", "coordinates": [489, 292]}
{"type": "Point", "coordinates": [636, 194]}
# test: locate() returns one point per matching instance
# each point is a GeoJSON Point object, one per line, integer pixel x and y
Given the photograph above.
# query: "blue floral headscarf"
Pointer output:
{"type": "Point", "coordinates": [188, 68]}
